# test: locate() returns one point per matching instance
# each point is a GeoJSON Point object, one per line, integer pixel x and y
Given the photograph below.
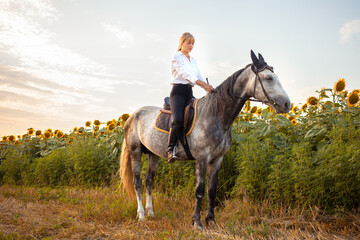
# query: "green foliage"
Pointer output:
{"type": "Point", "coordinates": [312, 160]}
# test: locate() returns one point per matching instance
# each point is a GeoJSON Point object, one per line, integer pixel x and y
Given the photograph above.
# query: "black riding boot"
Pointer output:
{"type": "Point", "coordinates": [173, 138]}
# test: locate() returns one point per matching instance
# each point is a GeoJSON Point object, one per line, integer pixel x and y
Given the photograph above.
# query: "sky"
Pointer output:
{"type": "Point", "coordinates": [64, 62]}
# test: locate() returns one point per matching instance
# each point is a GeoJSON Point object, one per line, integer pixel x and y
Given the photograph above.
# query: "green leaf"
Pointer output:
{"type": "Point", "coordinates": [315, 131]}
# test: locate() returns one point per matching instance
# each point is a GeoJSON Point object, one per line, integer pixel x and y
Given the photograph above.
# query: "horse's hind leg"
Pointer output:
{"type": "Point", "coordinates": [136, 168]}
{"type": "Point", "coordinates": [153, 165]}
{"type": "Point", "coordinates": [212, 179]}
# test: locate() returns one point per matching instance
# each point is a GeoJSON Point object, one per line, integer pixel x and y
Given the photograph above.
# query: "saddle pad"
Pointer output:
{"type": "Point", "coordinates": [163, 121]}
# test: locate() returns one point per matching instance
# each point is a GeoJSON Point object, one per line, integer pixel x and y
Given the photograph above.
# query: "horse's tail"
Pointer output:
{"type": "Point", "coordinates": [126, 173]}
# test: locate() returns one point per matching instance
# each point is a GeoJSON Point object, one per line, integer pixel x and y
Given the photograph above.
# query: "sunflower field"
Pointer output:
{"type": "Point", "coordinates": [308, 157]}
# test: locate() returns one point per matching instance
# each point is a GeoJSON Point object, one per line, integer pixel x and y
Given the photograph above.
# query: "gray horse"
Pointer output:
{"type": "Point", "coordinates": [209, 140]}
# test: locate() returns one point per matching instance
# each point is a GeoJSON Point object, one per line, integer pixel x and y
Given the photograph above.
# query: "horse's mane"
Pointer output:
{"type": "Point", "coordinates": [219, 101]}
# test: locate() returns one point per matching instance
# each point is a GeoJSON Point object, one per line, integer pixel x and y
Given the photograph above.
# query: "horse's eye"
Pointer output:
{"type": "Point", "coordinates": [269, 78]}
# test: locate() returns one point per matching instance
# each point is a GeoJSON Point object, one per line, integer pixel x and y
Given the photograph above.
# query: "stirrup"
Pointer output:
{"type": "Point", "coordinates": [172, 157]}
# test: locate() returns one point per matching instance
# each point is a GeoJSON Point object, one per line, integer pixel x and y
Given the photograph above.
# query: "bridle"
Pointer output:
{"type": "Point", "coordinates": [258, 79]}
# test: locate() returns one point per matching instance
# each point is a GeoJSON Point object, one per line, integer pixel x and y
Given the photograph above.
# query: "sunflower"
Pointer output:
{"type": "Point", "coordinates": [312, 101]}
{"type": "Point", "coordinates": [81, 130]}
{"type": "Point", "coordinates": [87, 124]}
{"type": "Point", "coordinates": [75, 129]}
{"type": "Point", "coordinates": [31, 131]}
{"type": "Point", "coordinates": [291, 118]}
{"type": "Point", "coordinates": [322, 93]}
{"type": "Point", "coordinates": [71, 140]}
{"type": "Point", "coordinates": [340, 85]}
{"type": "Point", "coordinates": [253, 109]}
{"type": "Point", "coordinates": [111, 127]}
{"type": "Point", "coordinates": [95, 133]}
{"type": "Point", "coordinates": [295, 109]}
{"type": "Point", "coordinates": [353, 98]}
{"type": "Point", "coordinates": [109, 122]}
{"type": "Point", "coordinates": [124, 117]}
{"type": "Point", "coordinates": [16, 142]}
{"type": "Point", "coordinates": [4, 138]}
{"type": "Point", "coordinates": [59, 134]}
{"type": "Point", "coordinates": [97, 123]}
{"type": "Point", "coordinates": [12, 138]}
{"type": "Point", "coordinates": [47, 134]}
{"type": "Point", "coordinates": [19, 137]}
{"type": "Point", "coordinates": [294, 122]}
{"type": "Point", "coordinates": [49, 130]}
{"type": "Point", "coordinates": [259, 112]}
{"type": "Point", "coordinates": [303, 107]}
{"type": "Point", "coordinates": [38, 133]}
{"type": "Point", "coordinates": [247, 106]}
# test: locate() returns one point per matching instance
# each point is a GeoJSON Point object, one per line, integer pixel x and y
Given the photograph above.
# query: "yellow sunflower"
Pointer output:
{"type": "Point", "coordinates": [322, 93]}
{"type": "Point", "coordinates": [111, 127]}
{"type": "Point", "coordinates": [47, 134]}
{"type": "Point", "coordinates": [87, 124]}
{"type": "Point", "coordinates": [339, 85]}
{"type": "Point", "coordinates": [291, 118]}
{"type": "Point", "coordinates": [294, 122]}
{"type": "Point", "coordinates": [59, 134]}
{"type": "Point", "coordinates": [38, 133]}
{"type": "Point", "coordinates": [71, 140]}
{"type": "Point", "coordinates": [108, 123]}
{"type": "Point", "coordinates": [12, 138]}
{"type": "Point", "coordinates": [124, 117]}
{"type": "Point", "coordinates": [49, 130]}
{"type": "Point", "coordinates": [312, 101]}
{"type": "Point", "coordinates": [253, 109]}
{"type": "Point", "coordinates": [19, 137]}
{"type": "Point", "coordinates": [81, 130]}
{"type": "Point", "coordinates": [247, 106]}
{"type": "Point", "coordinates": [95, 133]}
{"type": "Point", "coordinates": [259, 112]}
{"type": "Point", "coordinates": [97, 123]}
{"type": "Point", "coordinates": [353, 98]}
{"type": "Point", "coordinates": [4, 138]}
{"type": "Point", "coordinates": [16, 142]}
{"type": "Point", "coordinates": [31, 131]}
{"type": "Point", "coordinates": [303, 107]}
{"type": "Point", "coordinates": [295, 109]}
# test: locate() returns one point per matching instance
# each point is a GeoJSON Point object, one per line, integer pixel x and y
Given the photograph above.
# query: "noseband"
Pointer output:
{"type": "Point", "coordinates": [258, 79]}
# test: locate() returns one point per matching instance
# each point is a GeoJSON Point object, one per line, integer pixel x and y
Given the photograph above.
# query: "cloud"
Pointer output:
{"type": "Point", "coordinates": [25, 36]}
{"type": "Point", "coordinates": [126, 38]}
{"type": "Point", "coordinates": [348, 30]}
{"type": "Point", "coordinates": [154, 36]}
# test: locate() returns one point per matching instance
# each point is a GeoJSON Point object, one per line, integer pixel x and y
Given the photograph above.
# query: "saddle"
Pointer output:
{"type": "Point", "coordinates": [163, 120]}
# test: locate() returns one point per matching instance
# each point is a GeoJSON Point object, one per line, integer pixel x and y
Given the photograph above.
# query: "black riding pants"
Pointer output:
{"type": "Point", "coordinates": [180, 95]}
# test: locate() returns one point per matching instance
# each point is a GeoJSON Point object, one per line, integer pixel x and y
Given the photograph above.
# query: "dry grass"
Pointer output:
{"type": "Point", "coordinates": [77, 213]}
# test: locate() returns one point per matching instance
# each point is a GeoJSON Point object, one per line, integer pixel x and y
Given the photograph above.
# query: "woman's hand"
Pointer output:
{"type": "Point", "coordinates": [205, 86]}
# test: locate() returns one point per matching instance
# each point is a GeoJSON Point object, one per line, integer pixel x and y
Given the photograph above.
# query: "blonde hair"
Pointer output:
{"type": "Point", "coordinates": [183, 38]}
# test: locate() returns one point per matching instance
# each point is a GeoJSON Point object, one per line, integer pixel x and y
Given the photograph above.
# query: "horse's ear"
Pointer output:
{"type": "Point", "coordinates": [261, 58]}
{"type": "Point", "coordinates": [253, 57]}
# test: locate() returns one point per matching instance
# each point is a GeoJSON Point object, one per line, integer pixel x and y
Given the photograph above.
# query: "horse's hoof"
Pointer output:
{"type": "Point", "coordinates": [210, 220]}
{"type": "Point", "coordinates": [197, 225]}
{"type": "Point", "coordinates": [141, 217]}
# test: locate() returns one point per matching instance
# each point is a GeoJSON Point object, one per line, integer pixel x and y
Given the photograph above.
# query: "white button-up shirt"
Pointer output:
{"type": "Point", "coordinates": [185, 71]}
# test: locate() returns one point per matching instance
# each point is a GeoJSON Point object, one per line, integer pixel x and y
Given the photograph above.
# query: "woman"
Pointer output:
{"type": "Point", "coordinates": [185, 74]}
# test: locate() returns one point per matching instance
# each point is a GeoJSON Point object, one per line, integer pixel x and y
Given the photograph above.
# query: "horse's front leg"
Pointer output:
{"type": "Point", "coordinates": [212, 179]}
{"type": "Point", "coordinates": [199, 192]}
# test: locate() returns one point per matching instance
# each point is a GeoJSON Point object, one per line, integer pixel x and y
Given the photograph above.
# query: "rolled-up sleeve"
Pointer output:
{"type": "Point", "coordinates": [178, 65]}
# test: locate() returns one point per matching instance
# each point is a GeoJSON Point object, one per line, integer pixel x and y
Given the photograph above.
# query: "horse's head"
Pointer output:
{"type": "Point", "coordinates": [264, 85]}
